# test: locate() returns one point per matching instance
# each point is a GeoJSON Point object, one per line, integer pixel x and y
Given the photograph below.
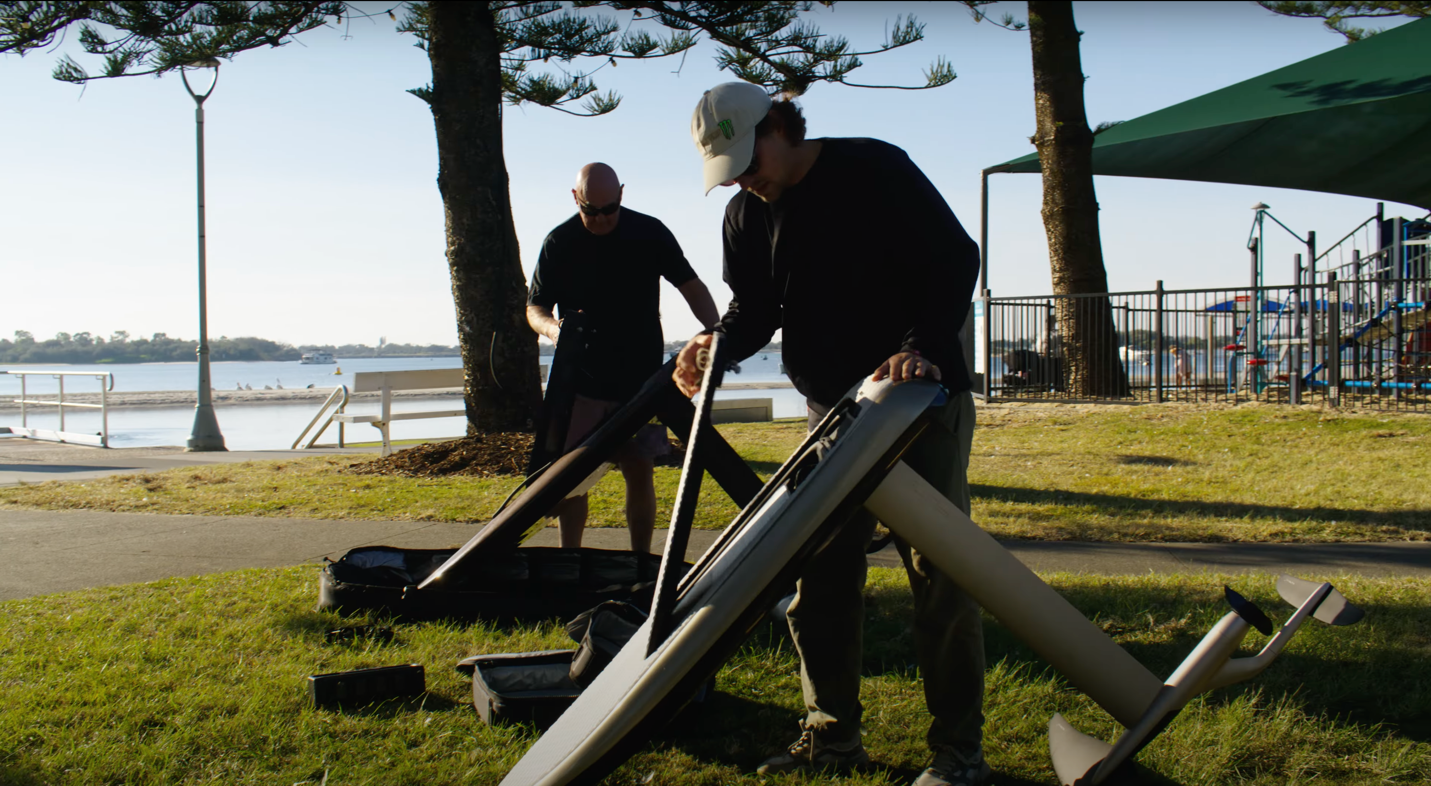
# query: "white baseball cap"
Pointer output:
{"type": "Point", "coordinates": [724, 129]}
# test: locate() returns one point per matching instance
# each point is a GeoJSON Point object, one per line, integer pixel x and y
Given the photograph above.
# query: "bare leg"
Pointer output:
{"type": "Point", "coordinates": [640, 500]}
{"type": "Point", "coordinates": [572, 515]}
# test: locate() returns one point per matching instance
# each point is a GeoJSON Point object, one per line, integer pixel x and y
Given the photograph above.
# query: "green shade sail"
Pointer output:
{"type": "Point", "coordinates": [1355, 120]}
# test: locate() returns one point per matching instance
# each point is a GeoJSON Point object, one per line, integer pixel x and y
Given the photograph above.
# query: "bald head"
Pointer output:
{"type": "Point", "coordinates": [597, 184]}
{"type": "Point", "coordinates": [598, 187]}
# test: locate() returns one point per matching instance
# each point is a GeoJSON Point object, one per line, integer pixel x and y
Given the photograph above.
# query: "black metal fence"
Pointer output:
{"type": "Point", "coordinates": [1362, 341]}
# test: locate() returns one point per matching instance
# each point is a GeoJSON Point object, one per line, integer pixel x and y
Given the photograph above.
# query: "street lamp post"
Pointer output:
{"type": "Point", "coordinates": [206, 435]}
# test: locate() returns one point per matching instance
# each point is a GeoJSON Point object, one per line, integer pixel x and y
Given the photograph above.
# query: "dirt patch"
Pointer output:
{"type": "Point", "coordinates": [482, 456]}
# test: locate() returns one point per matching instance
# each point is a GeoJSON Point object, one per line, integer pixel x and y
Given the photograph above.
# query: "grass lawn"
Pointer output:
{"type": "Point", "coordinates": [1051, 472]}
{"type": "Point", "coordinates": [201, 680]}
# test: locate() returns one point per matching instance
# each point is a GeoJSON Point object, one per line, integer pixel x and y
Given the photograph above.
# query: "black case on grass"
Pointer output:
{"type": "Point", "coordinates": [349, 689]}
{"type": "Point", "coordinates": [524, 687]}
{"type": "Point", "coordinates": [516, 585]}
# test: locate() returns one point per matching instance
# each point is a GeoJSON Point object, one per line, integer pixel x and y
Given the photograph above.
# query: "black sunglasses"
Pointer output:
{"type": "Point", "coordinates": [605, 210]}
{"type": "Point", "coordinates": [593, 210]}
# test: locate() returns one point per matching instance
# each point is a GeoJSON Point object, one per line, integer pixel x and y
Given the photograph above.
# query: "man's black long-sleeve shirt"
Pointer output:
{"type": "Point", "coordinates": [858, 261]}
{"type": "Point", "coordinates": [615, 280]}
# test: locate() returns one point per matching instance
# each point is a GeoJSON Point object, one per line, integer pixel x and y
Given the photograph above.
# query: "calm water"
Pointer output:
{"type": "Point", "coordinates": [272, 426]}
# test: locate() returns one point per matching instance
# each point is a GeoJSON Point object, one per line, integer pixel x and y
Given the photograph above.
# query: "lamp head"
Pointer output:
{"type": "Point", "coordinates": [208, 63]}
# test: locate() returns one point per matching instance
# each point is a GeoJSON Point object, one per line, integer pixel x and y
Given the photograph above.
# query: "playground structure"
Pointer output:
{"type": "Point", "coordinates": [1352, 322]}
{"type": "Point", "coordinates": [1353, 327]}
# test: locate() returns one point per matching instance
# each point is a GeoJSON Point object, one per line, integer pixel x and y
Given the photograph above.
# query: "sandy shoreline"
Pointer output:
{"type": "Point", "coordinates": [315, 396]}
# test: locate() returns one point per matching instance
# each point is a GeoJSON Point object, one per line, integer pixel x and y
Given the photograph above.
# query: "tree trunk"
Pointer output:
{"type": "Point", "coordinates": [1070, 206]}
{"type": "Point", "coordinates": [499, 351]}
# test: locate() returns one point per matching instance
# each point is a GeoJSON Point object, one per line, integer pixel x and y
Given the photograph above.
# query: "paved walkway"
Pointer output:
{"type": "Point", "coordinates": [32, 461]}
{"type": "Point", "coordinates": [56, 551]}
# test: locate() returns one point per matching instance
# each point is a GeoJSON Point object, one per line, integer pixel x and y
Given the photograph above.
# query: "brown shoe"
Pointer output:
{"type": "Point", "coordinates": [808, 753]}
{"type": "Point", "coordinates": [956, 767]}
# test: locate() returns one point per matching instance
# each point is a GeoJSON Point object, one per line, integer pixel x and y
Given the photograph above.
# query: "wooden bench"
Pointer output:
{"type": "Point", "coordinates": [386, 382]}
{"type": "Point", "coordinates": [743, 410]}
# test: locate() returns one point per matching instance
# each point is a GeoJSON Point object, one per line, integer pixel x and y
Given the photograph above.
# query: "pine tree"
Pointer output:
{"type": "Point", "coordinates": [483, 55]}
{"type": "Point", "coordinates": [1336, 14]}
{"type": "Point", "coordinates": [1089, 341]}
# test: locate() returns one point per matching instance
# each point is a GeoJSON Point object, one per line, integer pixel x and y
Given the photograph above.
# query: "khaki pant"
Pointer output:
{"type": "Point", "coordinates": [827, 615]}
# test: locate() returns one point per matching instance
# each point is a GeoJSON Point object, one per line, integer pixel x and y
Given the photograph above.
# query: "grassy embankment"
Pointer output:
{"type": "Point", "coordinates": [1151, 473]}
{"type": "Point", "coordinates": [201, 679]}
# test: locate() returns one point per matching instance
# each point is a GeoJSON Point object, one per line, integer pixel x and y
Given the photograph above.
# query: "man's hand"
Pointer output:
{"type": "Point", "coordinates": [541, 320]}
{"type": "Point", "coordinates": [906, 366]}
{"type": "Point", "coordinates": [688, 374]}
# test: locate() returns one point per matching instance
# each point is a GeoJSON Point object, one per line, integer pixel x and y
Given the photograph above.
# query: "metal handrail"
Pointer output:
{"type": "Point", "coordinates": [341, 393]}
{"type": "Point", "coordinates": [1344, 239]}
{"type": "Point", "coordinates": [61, 435]}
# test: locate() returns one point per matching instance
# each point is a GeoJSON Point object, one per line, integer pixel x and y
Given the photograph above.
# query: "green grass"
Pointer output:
{"type": "Point", "coordinates": [316, 488]}
{"type": "Point", "coordinates": [1178, 473]}
{"type": "Point", "coordinates": [201, 680]}
{"type": "Point", "coordinates": [1050, 472]}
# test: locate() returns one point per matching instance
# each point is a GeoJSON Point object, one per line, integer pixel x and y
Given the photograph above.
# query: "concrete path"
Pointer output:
{"type": "Point", "coordinates": [56, 551]}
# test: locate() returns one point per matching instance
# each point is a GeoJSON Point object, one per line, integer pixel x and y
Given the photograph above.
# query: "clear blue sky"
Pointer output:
{"type": "Point", "coordinates": [325, 224]}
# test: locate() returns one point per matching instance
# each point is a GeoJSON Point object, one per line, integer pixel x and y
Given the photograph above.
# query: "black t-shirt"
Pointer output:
{"type": "Point", "coordinates": [615, 281]}
{"type": "Point", "coordinates": [859, 260]}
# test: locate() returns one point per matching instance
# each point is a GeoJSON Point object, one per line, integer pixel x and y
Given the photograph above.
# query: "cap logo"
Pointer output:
{"type": "Point", "coordinates": [727, 129]}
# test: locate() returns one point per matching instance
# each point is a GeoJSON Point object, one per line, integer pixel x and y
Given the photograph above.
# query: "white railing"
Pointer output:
{"type": "Point", "coordinates": [106, 384]}
{"type": "Point", "coordinates": [339, 396]}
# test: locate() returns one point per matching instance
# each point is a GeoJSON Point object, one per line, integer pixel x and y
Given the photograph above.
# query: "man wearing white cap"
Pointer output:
{"type": "Point", "coordinates": [850, 250]}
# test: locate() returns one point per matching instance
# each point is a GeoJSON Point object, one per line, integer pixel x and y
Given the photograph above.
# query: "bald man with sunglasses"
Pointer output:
{"type": "Point", "coordinates": [607, 262]}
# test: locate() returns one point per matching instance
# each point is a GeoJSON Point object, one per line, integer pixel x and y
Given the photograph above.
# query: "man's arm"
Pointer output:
{"type": "Point", "coordinates": [755, 308]}
{"type": "Point", "coordinates": [698, 297]}
{"type": "Point", "coordinates": [544, 322]}
{"type": "Point", "coordinates": [945, 262]}
{"type": "Point", "coordinates": [544, 295]}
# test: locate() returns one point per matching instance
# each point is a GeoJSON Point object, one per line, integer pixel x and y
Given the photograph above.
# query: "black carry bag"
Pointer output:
{"type": "Point", "coordinates": [520, 585]}
{"type": "Point", "coordinates": [525, 687]}
{"type": "Point", "coordinates": [554, 419]}
{"type": "Point", "coordinates": [601, 632]}
{"type": "Point", "coordinates": [491, 578]}
{"type": "Point", "coordinates": [537, 687]}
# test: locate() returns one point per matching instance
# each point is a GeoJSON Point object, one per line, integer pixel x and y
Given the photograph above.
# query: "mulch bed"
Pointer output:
{"type": "Point", "coordinates": [481, 456]}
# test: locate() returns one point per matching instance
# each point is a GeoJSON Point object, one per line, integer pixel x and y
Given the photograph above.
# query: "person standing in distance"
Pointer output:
{"type": "Point", "coordinates": [847, 247]}
{"type": "Point", "coordinates": [607, 262]}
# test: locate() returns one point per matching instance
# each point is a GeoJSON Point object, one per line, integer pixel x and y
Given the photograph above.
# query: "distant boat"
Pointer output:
{"type": "Point", "coordinates": [317, 358]}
